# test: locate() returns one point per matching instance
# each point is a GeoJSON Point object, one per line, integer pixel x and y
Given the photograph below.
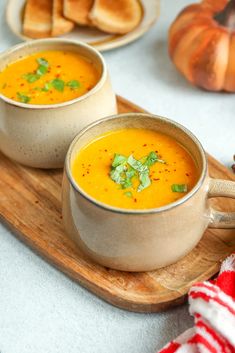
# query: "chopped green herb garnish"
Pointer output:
{"type": "Point", "coordinates": [130, 173]}
{"type": "Point", "coordinates": [30, 77]}
{"type": "Point", "coordinates": [42, 69]}
{"type": "Point", "coordinates": [127, 183]}
{"type": "Point", "coordinates": [124, 169]}
{"type": "Point", "coordinates": [42, 62]}
{"type": "Point", "coordinates": [118, 160]}
{"type": "Point", "coordinates": [151, 159]}
{"type": "Point", "coordinates": [179, 187]}
{"type": "Point", "coordinates": [128, 194]}
{"type": "Point", "coordinates": [143, 171]}
{"type": "Point", "coordinates": [144, 181]}
{"type": "Point", "coordinates": [73, 84]}
{"type": "Point", "coordinates": [121, 172]}
{"type": "Point", "coordinates": [43, 66]}
{"type": "Point", "coordinates": [117, 174]}
{"type": "Point", "coordinates": [136, 165]}
{"type": "Point", "coordinates": [58, 84]}
{"type": "Point", "coordinates": [23, 98]}
{"type": "Point", "coordinates": [47, 87]}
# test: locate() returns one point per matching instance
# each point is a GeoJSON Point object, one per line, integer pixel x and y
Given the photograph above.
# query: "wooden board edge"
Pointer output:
{"type": "Point", "coordinates": [135, 108]}
{"type": "Point", "coordinates": [228, 172]}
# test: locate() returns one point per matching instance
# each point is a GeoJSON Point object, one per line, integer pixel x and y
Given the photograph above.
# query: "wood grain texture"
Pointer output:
{"type": "Point", "coordinates": [30, 204]}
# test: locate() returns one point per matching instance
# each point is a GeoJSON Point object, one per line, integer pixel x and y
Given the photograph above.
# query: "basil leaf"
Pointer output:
{"type": "Point", "coordinates": [42, 70]}
{"type": "Point", "coordinates": [23, 98]}
{"type": "Point", "coordinates": [118, 159]}
{"type": "Point", "coordinates": [47, 87]}
{"type": "Point", "coordinates": [144, 181]}
{"type": "Point", "coordinates": [58, 84]}
{"type": "Point", "coordinates": [126, 183]}
{"type": "Point", "coordinates": [117, 174]}
{"type": "Point", "coordinates": [179, 187]}
{"type": "Point", "coordinates": [136, 165]}
{"type": "Point", "coordinates": [128, 194]}
{"type": "Point", "coordinates": [73, 84]}
{"type": "Point", "coordinates": [130, 173]}
{"type": "Point", "coordinates": [30, 77]}
{"type": "Point", "coordinates": [42, 62]}
{"type": "Point", "coordinates": [151, 159]}
{"type": "Point", "coordinates": [43, 66]}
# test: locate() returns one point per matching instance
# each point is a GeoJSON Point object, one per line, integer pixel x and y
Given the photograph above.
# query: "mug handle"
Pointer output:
{"type": "Point", "coordinates": [221, 188]}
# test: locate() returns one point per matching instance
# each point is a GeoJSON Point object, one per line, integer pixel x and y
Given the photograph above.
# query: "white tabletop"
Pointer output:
{"type": "Point", "coordinates": [41, 310]}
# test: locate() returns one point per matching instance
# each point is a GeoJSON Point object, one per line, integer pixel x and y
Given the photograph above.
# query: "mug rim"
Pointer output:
{"type": "Point", "coordinates": [33, 43]}
{"type": "Point", "coordinates": [129, 211]}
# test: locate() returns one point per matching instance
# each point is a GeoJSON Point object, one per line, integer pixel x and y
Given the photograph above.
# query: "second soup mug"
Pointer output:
{"type": "Point", "coordinates": [39, 135]}
{"type": "Point", "coordinates": [142, 240]}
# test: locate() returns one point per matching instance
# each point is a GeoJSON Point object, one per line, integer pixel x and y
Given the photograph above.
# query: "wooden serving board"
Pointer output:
{"type": "Point", "coordinates": [30, 204]}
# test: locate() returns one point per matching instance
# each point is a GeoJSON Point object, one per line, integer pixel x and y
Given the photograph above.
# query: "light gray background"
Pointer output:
{"type": "Point", "coordinates": [41, 310]}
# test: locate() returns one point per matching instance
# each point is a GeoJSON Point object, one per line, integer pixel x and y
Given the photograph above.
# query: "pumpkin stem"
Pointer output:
{"type": "Point", "coordinates": [227, 16]}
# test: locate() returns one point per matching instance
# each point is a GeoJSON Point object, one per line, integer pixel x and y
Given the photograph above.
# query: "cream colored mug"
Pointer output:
{"type": "Point", "coordinates": [142, 240]}
{"type": "Point", "coordinates": [39, 135]}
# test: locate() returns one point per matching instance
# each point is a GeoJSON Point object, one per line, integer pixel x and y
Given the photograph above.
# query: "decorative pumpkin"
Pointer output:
{"type": "Point", "coordinates": [202, 44]}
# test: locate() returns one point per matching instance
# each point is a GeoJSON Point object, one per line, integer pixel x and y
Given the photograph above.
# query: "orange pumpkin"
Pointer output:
{"type": "Point", "coordinates": [202, 44]}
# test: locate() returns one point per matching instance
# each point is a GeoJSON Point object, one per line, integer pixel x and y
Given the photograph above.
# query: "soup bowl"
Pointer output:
{"type": "Point", "coordinates": [39, 135]}
{"type": "Point", "coordinates": [144, 239]}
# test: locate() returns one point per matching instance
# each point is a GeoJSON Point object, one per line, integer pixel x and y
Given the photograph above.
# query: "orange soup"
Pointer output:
{"type": "Point", "coordinates": [135, 169]}
{"type": "Point", "coordinates": [48, 77]}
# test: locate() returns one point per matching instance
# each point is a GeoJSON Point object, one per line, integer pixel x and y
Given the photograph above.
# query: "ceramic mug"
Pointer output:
{"type": "Point", "coordinates": [142, 240]}
{"type": "Point", "coordinates": [39, 135]}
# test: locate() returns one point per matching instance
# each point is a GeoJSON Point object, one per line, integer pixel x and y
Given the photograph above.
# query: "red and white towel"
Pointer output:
{"type": "Point", "coordinates": [213, 306]}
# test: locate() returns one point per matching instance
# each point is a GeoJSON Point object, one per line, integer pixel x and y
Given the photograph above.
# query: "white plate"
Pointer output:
{"type": "Point", "coordinates": [101, 41]}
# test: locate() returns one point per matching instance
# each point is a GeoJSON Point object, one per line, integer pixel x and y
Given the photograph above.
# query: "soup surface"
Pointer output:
{"type": "Point", "coordinates": [48, 77]}
{"type": "Point", "coordinates": [135, 169]}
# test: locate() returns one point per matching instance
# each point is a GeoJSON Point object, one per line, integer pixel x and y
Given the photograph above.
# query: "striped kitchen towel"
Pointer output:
{"type": "Point", "coordinates": [213, 306]}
